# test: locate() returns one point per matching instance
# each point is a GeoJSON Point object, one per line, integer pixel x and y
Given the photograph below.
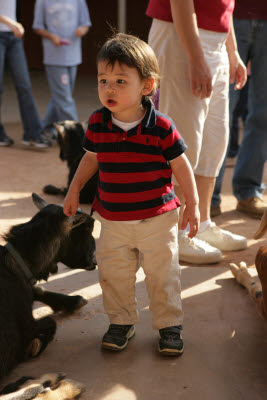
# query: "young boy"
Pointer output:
{"type": "Point", "coordinates": [62, 24]}
{"type": "Point", "coordinates": [136, 150]}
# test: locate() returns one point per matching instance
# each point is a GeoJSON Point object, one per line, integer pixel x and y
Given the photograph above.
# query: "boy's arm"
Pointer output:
{"type": "Point", "coordinates": [87, 168]}
{"type": "Point", "coordinates": [52, 36]}
{"type": "Point", "coordinates": [184, 175]}
{"type": "Point", "coordinates": [15, 26]}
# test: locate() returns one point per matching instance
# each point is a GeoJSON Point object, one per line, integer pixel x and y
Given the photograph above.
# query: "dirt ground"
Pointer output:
{"type": "Point", "coordinates": [225, 340]}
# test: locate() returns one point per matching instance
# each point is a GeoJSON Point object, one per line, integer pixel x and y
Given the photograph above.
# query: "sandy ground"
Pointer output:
{"type": "Point", "coordinates": [225, 340]}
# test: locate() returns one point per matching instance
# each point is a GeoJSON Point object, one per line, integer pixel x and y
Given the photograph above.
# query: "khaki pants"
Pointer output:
{"type": "Point", "coordinates": [203, 124]}
{"type": "Point", "coordinates": [119, 251]}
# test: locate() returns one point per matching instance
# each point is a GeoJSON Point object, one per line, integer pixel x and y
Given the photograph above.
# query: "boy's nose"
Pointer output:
{"type": "Point", "coordinates": [110, 88]}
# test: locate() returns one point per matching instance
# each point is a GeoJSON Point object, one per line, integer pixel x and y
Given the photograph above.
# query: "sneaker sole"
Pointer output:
{"type": "Point", "coordinates": [114, 347]}
{"type": "Point", "coordinates": [171, 352]}
{"type": "Point", "coordinates": [34, 147]}
{"type": "Point", "coordinates": [208, 259]}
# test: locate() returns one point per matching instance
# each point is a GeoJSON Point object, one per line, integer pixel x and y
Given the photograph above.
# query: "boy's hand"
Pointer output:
{"type": "Point", "coordinates": [71, 203]}
{"type": "Point", "coordinates": [81, 31]}
{"type": "Point", "coordinates": [191, 215]}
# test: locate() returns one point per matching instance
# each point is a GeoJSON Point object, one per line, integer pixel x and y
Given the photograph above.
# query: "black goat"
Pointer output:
{"type": "Point", "coordinates": [70, 135]}
{"type": "Point", "coordinates": [31, 252]}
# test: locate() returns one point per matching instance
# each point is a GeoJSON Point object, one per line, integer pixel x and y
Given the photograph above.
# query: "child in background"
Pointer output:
{"type": "Point", "coordinates": [136, 150]}
{"type": "Point", "coordinates": [62, 24]}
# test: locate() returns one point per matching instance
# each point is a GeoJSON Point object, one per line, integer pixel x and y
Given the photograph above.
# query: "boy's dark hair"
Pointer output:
{"type": "Point", "coordinates": [133, 52]}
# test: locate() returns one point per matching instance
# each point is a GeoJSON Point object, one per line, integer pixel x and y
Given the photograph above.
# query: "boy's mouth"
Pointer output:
{"type": "Point", "coordinates": [111, 102]}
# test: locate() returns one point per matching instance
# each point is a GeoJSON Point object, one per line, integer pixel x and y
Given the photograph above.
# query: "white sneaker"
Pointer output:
{"type": "Point", "coordinates": [197, 251]}
{"type": "Point", "coordinates": [221, 239]}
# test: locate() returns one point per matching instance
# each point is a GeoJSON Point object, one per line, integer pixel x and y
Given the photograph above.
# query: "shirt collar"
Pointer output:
{"type": "Point", "coordinates": [149, 120]}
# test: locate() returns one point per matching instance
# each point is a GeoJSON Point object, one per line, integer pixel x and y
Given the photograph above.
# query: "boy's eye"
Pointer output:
{"type": "Point", "coordinates": [102, 81]}
{"type": "Point", "coordinates": [121, 81]}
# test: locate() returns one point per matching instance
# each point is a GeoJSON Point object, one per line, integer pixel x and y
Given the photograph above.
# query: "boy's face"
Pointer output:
{"type": "Point", "coordinates": [120, 89]}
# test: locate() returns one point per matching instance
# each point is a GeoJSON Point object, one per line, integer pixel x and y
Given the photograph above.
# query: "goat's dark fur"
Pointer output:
{"type": "Point", "coordinates": [70, 137]}
{"type": "Point", "coordinates": [39, 242]}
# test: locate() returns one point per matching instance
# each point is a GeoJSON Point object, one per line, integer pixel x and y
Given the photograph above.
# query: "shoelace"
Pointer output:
{"type": "Point", "coordinates": [196, 242]}
{"type": "Point", "coordinates": [172, 334]}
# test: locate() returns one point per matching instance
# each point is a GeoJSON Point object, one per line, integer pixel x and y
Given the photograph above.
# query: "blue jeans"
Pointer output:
{"type": "Point", "coordinates": [251, 36]}
{"type": "Point", "coordinates": [61, 82]}
{"type": "Point", "coordinates": [12, 53]}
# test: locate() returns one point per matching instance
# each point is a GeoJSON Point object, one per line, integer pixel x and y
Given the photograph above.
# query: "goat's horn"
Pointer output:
{"type": "Point", "coordinates": [38, 201]}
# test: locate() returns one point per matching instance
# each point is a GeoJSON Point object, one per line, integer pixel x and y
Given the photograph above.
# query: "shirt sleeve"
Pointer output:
{"type": "Point", "coordinates": [84, 15]}
{"type": "Point", "coordinates": [88, 141]}
{"type": "Point", "coordinates": [38, 21]}
{"type": "Point", "coordinates": [172, 143]}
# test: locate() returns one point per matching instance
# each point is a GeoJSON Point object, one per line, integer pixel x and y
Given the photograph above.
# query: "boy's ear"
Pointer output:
{"type": "Point", "coordinates": [148, 85]}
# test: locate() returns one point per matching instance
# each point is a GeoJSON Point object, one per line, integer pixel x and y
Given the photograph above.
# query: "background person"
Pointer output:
{"type": "Point", "coordinates": [250, 24]}
{"type": "Point", "coordinates": [194, 42]}
{"type": "Point", "coordinates": [13, 56]}
{"type": "Point", "coordinates": [61, 24]}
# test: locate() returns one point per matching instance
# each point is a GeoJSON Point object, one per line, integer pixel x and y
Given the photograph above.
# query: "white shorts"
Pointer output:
{"type": "Point", "coordinates": [203, 124]}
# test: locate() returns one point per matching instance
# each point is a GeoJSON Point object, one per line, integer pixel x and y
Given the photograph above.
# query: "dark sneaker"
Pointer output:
{"type": "Point", "coordinates": [6, 142]}
{"type": "Point", "coordinates": [40, 143]}
{"type": "Point", "coordinates": [171, 342]}
{"type": "Point", "coordinates": [117, 337]}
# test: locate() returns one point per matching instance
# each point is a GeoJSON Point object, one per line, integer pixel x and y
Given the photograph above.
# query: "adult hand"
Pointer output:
{"type": "Point", "coordinates": [237, 70]}
{"type": "Point", "coordinates": [17, 29]}
{"type": "Point", "coordinates": [200, 78]}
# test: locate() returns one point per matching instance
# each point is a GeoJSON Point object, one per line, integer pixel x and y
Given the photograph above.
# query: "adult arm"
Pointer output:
{"type": "Point", "coordinates": [184, 175]}
{"type": "Point", "coordinates": [56, 39]}
{"type": "Point", "coordinates": [238, 71]}
{"type": "Point", "coordinates": [87, 168]}
{"type": "Point", "coordinates": [15, 26]}
{"type": "Point", "coordinates": [81, 31]}
{"type": "Point", "coordinates": [185, 23]}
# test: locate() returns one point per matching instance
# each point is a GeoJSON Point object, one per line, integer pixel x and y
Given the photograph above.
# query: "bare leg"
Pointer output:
{"type": "Point", "coordinates": [205, 186]}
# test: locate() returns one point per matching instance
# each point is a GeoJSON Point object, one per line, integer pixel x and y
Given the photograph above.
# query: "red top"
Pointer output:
{"type": "Point", "coordinates": [214, 15]}
{"type": "Point", "coordinates": [134, 169]}
{"type": "Point", "coordinates": [251, 9]}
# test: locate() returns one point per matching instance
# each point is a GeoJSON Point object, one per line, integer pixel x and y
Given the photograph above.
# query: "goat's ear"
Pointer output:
{"type": "Point", "coordinates": [38, 201]}
{"type": "Point", "coordinates": [59, 127]}
{"type": "Point", "coordinates": [84, 125]}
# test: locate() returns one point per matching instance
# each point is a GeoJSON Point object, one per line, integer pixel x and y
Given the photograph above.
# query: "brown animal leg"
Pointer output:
{"type": "Point", "coordinates": [254, 288]}
{"type": "Point", "coordinates": [261, 265]}
{"type": "Point", "coordinates": [262, 228]}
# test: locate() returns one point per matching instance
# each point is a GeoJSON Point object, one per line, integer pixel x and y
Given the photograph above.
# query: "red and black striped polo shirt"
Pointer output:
{"type": "Point", "coordinates": [134, 170]}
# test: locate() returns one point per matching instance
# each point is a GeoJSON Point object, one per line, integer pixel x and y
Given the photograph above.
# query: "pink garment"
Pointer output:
{"type": "Point", "coordinates": [212, 15]}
